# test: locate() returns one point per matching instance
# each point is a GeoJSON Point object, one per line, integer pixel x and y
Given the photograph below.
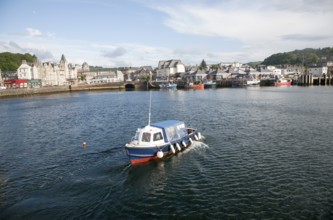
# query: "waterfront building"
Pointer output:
{"type": "Point", "coordinates": [47, 74]}
{"type": "Point", "coordinates": [85, 67]}
{"type": "Point", "coordinates": [218, 74]}
{"type": "Point", "coordinates": [26, 76]}
{"type": "Point", "coordinates": [318, 70]}
{"type": "Point", "coordinates": [195, 76]}
{"type": "Point", "coordinates": [237, 71]}
{"type": "Point", "coordinates": [292, 70]}
{"type": "Point", "coordinates": [60, 74]}
{"type": "Point", "coordinates": [228, 65]}
{"type": "Point", "coordinates": [169, 68]}
{"type": "Point", "coordinates": [269, 72]}
{"type": "Point", "coordinates": [16, 83]}
{"type": "Point", "coordinates": [252, 73]}
{"type": "Point", "coordinates": [106, 77]}
{"type": "Point", "coordinates": [1, 80]}
{"type": "Point", "coordinates": [26, 71]}
{"type": "Point", "coordinates": [142, 73]}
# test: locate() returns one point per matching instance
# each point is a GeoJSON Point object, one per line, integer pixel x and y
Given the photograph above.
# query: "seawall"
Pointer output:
{"type": "Point", "coordinates": [24, 92]}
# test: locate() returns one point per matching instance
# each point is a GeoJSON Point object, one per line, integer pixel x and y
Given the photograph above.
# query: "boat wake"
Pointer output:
{"type": "Point", "coordinates": [196, 146]}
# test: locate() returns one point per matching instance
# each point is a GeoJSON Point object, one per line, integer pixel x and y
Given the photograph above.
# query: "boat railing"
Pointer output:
{"type": "Point", "coordinates": [133, 138]}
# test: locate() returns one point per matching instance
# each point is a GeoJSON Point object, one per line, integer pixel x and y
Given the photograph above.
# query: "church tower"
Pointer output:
{"type": "Point", "coordinates": [63, 64]}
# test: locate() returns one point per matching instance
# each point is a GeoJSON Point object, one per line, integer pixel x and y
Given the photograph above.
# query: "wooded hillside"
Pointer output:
{"type": "Point", "coordinates": [12, 61]}
{"type": "Point", "coordinates": [298, 57]}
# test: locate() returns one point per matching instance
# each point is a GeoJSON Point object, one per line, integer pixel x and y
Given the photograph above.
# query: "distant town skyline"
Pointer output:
{"type": "Point", "coordinates": [142, 32]}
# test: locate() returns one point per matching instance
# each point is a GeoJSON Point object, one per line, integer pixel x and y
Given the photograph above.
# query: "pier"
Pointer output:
{"type": "Point", "coordinates": [310, 80]}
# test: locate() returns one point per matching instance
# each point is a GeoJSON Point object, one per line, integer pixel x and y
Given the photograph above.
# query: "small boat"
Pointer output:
{"type": "Point", "coordinates": [251, 82]}
{"type": "Point", "coordinates": [168, 86]}
{"type": "Point", "coordinates": [160, 139]}
{"type": "Point", "coordinates": [209, 84]}
{"type": "Point", "coordinates": [245, 82]}
{"type": "Point", "coordinates": [198, 86]}
{"type": "Point", "coordinates": [282, 82]}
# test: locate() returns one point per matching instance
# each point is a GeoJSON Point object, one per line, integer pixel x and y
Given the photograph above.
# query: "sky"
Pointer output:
{"type": "Point", "coordinates": [119, 33]}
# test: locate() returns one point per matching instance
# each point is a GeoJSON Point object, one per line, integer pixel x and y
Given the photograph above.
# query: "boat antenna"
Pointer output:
{"type": "Point", "coordinates": [149, 108]}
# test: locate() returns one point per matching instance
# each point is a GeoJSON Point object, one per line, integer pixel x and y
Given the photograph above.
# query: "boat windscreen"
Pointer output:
{"type": "Point", "coordinates": [146, 137]}
{"type": "Point", "coordinates": [175, 132]}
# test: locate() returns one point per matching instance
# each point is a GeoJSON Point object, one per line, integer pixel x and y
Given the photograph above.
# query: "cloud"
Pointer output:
{"type": "Point", "coordinates": [118, 52]}
{"type": "Point", "coordinates": [16, 48]}
{"type": "Point", "coordinates": [34, 33]}
{"type": "Point", "coordinates": [238, 19]}
{"type": "Point", "coordinates": [42, 54]}
{"type": "Point", "coordinates": [262, 27]}
{"type": "Point", "coordinates": [303, 37]}
{"type": "Point", "coordinates": [31, 32]}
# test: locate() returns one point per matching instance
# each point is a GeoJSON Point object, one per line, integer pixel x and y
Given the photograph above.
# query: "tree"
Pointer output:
{"type": "Point", "coordinates": [203, 65]}
{"type": "Point", "coordinates": [215, 66]}
{"type": "Point", "coordinates": [306, 57]}
{"type": "Point", "coordinates": [12, 61]}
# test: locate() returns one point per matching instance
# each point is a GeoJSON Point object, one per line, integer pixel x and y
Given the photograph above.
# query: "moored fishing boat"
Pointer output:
{"type": "Point", "coordinates": [252, 82]}
{"type": "Point", "coordinates": [210, 84]}
{"type": "Point", "coordinates": [168, 86]}
{"type": "Point", "coordinates": [197, 86]}
{"type": "Point", "coordinates": [282, 82]}
{"type": "Point", "coordinates": [242, 82]}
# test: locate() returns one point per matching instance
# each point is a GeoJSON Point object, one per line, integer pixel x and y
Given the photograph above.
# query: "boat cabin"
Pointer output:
{"type": "Point", "coordinates": [159, 133]}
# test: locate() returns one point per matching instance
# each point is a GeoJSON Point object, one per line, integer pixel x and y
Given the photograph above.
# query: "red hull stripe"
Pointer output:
{"type": "Point", "coordinates": [284, 84]}
{"type": "Point", "coordinates": [147, 159]}
{"type": "Point", "coordinates": [142, 160]}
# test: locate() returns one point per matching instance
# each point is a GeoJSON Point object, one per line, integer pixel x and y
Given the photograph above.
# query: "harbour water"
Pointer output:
{"type": "Point", "coordinates": [267, 154]}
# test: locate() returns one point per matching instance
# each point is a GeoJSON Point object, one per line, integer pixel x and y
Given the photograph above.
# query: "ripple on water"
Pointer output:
{"type": "Point", "coordinates": [264, 156]}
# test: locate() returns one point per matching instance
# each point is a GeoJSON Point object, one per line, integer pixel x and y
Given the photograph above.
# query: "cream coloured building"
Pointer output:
{"type": "Point", "coordinates": [58, 74]}
{"type": "Point", "coordinates": [26, 71]}
{"type": "Point", "coordinates": [168, 68]}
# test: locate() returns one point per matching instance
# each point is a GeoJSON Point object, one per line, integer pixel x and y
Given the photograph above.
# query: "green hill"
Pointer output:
{"type": "Point", "coordinates": [12, 61]}
{"type": "Point", "coordinates": [298, 57]}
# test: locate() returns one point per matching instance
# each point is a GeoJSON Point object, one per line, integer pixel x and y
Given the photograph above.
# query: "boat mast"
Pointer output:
{"type": "Point", "coordinates": [149, 109]}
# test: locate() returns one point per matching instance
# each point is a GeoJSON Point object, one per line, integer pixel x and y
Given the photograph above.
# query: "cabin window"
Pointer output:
{"type": "Point", "coordinates": [146, 137]}
{"type": "Point", "coordinates": [158, 136]}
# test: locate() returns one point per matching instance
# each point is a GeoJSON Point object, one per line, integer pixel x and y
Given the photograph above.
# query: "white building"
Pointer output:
{"type": "Point", "coordinates": [231, 64]}
{"type": "Point", "coordinates": [276, 71]}
{"type": "Point", "coordinates": [196, 76]}
{"type": "Point", "coordinates": [168, 68]}
{"type": "Point", "coordinates": [106, 77]}
{"type": "Point", "coordinates": [1, 80]}
{"type": "Point", "coordinates": [270, 72]}
{"type": "Point", "coordinates": [26, 71]}
{"type": "Point", "coordinates": [253, 73]}
{"type": "Point", "coordinates": [318, 70]}
{"type": "Point", "coordinates": [237, 71]}
{"type": "Point", "coordinates": [47, 74]}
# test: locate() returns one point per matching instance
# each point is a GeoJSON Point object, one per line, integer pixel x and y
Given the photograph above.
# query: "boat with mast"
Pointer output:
{"type": "Point", "coordinates": [160, 139]}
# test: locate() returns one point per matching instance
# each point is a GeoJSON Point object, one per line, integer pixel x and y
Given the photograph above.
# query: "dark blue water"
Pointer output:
{"type": "Point", "coordinates": [268, 154]}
